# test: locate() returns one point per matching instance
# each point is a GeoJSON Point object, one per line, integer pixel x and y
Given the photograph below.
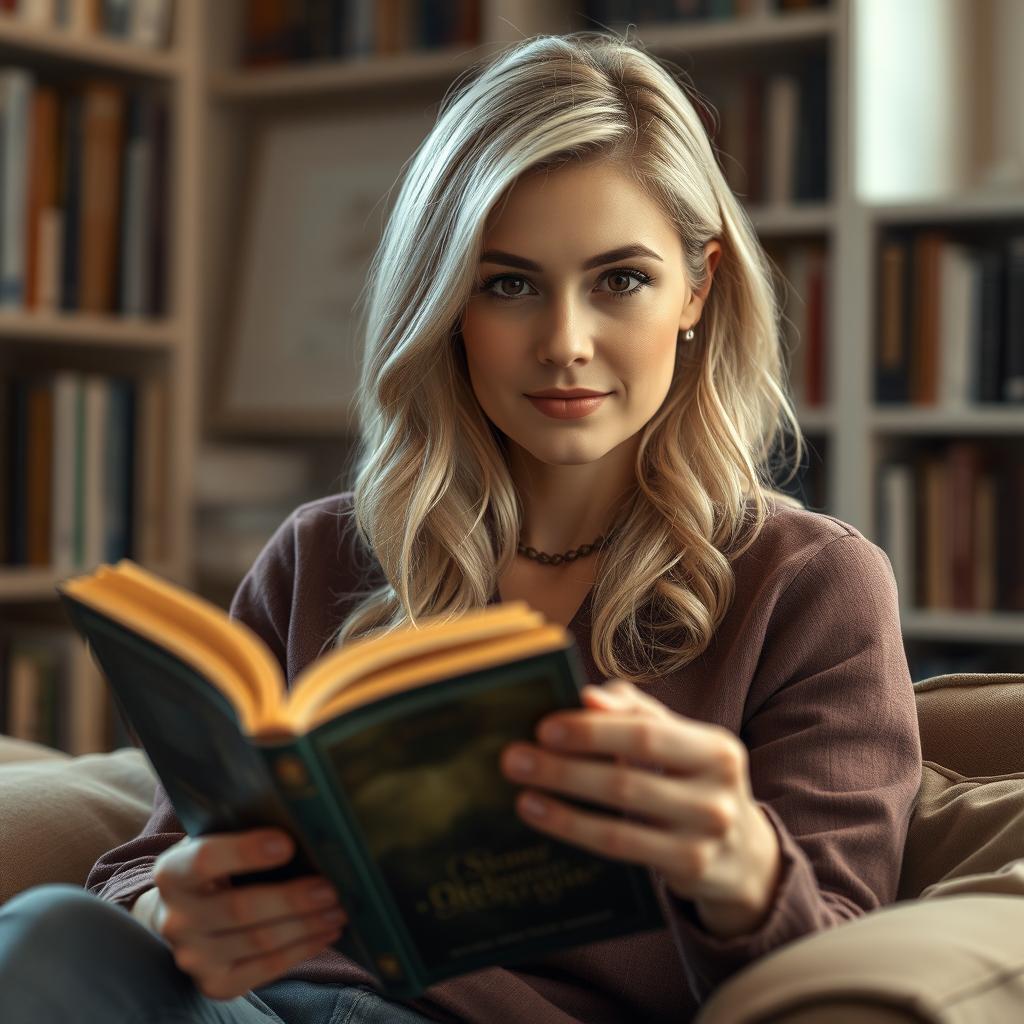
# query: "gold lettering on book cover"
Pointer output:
{"type": "Point", "coordinates": [483, 880]}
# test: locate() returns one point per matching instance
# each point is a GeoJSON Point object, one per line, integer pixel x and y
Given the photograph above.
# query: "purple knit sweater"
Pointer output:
{"type": "Point", "coordinates": [807, 667]}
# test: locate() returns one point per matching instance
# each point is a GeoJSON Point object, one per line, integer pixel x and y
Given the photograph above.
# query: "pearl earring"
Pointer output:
{"type": "Point", "coordinates": [689, 334]}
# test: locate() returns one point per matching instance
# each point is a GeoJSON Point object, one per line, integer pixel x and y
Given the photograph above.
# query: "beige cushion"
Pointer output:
{"type": "Point", "coordinates": [972, 723]}
{"type": "Point", "coordinates": [12, 749]}
{"type": "Point", "coordinates": [964, 828]}
{"type": "Point", "coordinates": [59, 814]}
{"type": "Point", "coordinates": [943, 961]}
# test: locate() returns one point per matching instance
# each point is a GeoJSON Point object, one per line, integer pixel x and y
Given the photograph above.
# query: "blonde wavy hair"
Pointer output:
{"type": "Point", "coordinates": [434, 501]}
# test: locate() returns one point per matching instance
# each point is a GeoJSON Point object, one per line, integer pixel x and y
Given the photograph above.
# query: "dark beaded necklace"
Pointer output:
{"type": "Point", "coordinates": [570, 556]}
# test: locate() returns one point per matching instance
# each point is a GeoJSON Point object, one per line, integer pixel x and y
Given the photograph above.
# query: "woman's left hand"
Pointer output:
{"type": "Point", "coordinates": [686, 781]}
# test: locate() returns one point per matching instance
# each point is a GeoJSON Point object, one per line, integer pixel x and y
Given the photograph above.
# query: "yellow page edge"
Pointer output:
{"type": "Point", "coordinates": [442, 666]}
{"type": "Point", "coordinates": [171, 638]}
{"type": "Point", "coordinates": [345, 667]}
{"type": "Point", "coordinates": [249, 656]}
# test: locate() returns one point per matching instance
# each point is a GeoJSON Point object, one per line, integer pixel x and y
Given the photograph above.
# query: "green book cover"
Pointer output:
{"type": "Point", "coordinates": [399, 801]}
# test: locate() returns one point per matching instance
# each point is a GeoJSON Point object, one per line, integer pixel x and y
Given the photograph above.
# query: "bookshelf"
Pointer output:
{"type": "Point", "coordinates": [850, 434]}
{"type": "Point", "coordinates": [77, 331]}
{"type": "Point", "coordinates": [220, 104]}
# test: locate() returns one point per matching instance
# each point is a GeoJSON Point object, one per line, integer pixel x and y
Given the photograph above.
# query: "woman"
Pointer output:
{"type": "Point", "coordinates": [564, 226]}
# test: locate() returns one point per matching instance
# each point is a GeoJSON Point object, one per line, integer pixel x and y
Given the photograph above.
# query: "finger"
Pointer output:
{"type": "Point", "coordinates": [621, 693]}
{"type": "Point", "coordinates": [251, 905]}
{"type": "Point", "coordinates": [248, 974]}
{"type": "Point", "coordinates": [677, 855]}
{"type": "Point", "coordinates": [689, 805]}
{"type": "Point", "coordinates": [229, 947]}
{"type": "Point", "coordinates": [198, 864]}
{"type": "Point", "coordinates": [666, 743]}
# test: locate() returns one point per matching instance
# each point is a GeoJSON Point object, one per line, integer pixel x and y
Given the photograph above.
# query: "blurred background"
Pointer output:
{"type": "Point", "coordinates": [191, 190]}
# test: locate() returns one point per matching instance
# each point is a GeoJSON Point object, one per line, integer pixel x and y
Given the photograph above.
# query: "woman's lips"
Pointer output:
{"type": "Point", "coordinates": [567, 408]}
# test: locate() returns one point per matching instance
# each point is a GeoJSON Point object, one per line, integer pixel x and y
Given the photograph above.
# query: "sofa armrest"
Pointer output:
{"type": "Point", "coordinates": [13, 749]}
{"type": "Point", "coordinates": [936, 960]}
{"type": "Point", "coordinates": [58, 814]}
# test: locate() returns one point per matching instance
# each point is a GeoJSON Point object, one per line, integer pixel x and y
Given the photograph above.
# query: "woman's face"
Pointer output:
{"type": "Point", "coordinates": [560, 323]}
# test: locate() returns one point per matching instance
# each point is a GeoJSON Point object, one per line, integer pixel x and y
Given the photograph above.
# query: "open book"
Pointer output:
{"type": "Point", "coordinates": [381, 761]}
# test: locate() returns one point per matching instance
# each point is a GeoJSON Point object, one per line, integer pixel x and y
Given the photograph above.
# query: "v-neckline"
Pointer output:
{"type": "Point", "coordinates": [577, 616]}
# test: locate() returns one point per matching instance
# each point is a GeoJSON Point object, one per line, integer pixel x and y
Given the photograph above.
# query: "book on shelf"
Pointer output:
{"type": "Point", "coordinates": [675, 11]}
{"type": "Point", "coordinates": [51, 691]}
{"type": "Point", "coordinates": [381, 761]}
{"type": "Point", "coordinates": [772, 129]}
{"type": "Point", "coordinates": [950, 320]}
{"type": "Point", "coordinates": [947, 518]}
{"type": "Point", "coordinates": [143, 22]}
{"type": "Point", "coordinates": [276, 32]}
{"type": "Point", "coordinates": [83, 468]}
{"type": "Point", "coordinates": [803, 295]}
{"type": "Point", "coordinates": [84, 193]}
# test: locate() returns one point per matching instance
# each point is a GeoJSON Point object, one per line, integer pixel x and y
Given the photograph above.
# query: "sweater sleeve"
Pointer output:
{"type": "Point", "coordinates": [262, 602]}
{"type": "Point", "coordinates": [834, 754]}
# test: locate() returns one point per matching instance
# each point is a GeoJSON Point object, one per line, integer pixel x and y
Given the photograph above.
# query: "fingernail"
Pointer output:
{"type": "Point", "coordinates": [553, 732]}
{"type": "Point", "coordinates": [322, 894]}
{"type": "Point", "coordinates": [521, 761]}
{"type": "Point", "coordinates": [276, 847]}
{"type": "Point", "coordinates": [534, 806]}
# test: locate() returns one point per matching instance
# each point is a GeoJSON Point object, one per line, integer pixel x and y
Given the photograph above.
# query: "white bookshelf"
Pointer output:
{"type": "Point", "coordinates": [220, 104]}
{"type": "Point", "coordinates": [167, 345]}
{"type": "Point", "coordinates": [848, 223]}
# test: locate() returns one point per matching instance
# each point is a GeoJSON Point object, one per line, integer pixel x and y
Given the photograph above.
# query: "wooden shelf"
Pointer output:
{"type": "Point", "coordinates": [793, 218]}
{"type": "Point", "coordinates": [29, 584]}
{"type": "Point", "coordinates": [346, 75]}
{"type": "Point", "coordinates": [977, 420]}
{"type": "Point", "coordinates": [86, 329]}
{"type": "Point", "coordinates": [739, 33]}
{"type": "Point", "coordinates": [38, 341]}
{"type": "Point", "coordinates": [816, 421]}
{"type": "Point", "coordinates": [991, 205]}
{"type": "Point", "coordinates": [963, 626]}
{"type": "Point", "coordinates": [104, 53]}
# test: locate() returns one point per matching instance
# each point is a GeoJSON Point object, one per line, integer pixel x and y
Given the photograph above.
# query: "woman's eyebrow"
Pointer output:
{"type": "Point", "coordinates": [509, 259]}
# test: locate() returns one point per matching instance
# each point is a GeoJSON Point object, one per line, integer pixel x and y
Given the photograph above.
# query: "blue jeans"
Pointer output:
{"type": "Point", "coordinates": [67, 955]}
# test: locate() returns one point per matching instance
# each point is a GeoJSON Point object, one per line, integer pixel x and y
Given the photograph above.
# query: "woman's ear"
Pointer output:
{"type": "Point", "coordinates": [692, 310]}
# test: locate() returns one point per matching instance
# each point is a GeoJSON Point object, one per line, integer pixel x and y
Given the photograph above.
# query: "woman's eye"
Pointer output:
{"type": "Point", "coordinates": [617, 277]}
{"type": "Point", "coordinates": [506, 280]}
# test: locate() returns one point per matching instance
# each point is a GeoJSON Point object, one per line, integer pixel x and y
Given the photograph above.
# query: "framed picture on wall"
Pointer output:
{"type": "Point", "coordinates": [312, 218]}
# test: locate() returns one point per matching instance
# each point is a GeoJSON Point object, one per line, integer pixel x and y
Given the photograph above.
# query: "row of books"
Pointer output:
{"type": "Point", "coordinates": [289, 31]}
{"type": "Point", "coordinates": [140, 22]}
{"type": "Point", "coordinates": [949, 518]}
{"type": "Point", "coordinates": [52, 692]}
{"type": "Point", "coordinates": [83, 467]}
{"type": "Point", "coordinates": [644, 11]}
{"type": "Point", "coordinates": [950, 320]}
{"type": "Point", "coordinates": [804, 300]}
{"type": "Point", "coordinates": [84, 196]}
{"type": "Point", "coordinates": [772, 132]}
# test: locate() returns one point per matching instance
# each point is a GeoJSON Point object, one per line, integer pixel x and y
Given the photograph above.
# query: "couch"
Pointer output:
{"type": "Point", "coordinates": [950, 949]}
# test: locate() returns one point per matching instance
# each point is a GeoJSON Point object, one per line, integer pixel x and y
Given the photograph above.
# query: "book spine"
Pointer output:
{"type": "Point", "coordinates": [330, 844]}
{"type": "Point", "coordinates": [991, 324]}
{"type": "Point", "coordinates": [71, 197]}
{"type": "Point", "coordinates": [39, 478]}
{"type": "Point", "coordinates": [1013, 378]}
{"type": "Point", "coordinates": [18, 85]}
{"type": "Point", "coordinates": [892, 359]}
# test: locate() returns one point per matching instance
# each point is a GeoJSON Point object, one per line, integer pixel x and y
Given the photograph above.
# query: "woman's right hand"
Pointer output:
{"type": "Point", "coordinates": [232, 939]}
